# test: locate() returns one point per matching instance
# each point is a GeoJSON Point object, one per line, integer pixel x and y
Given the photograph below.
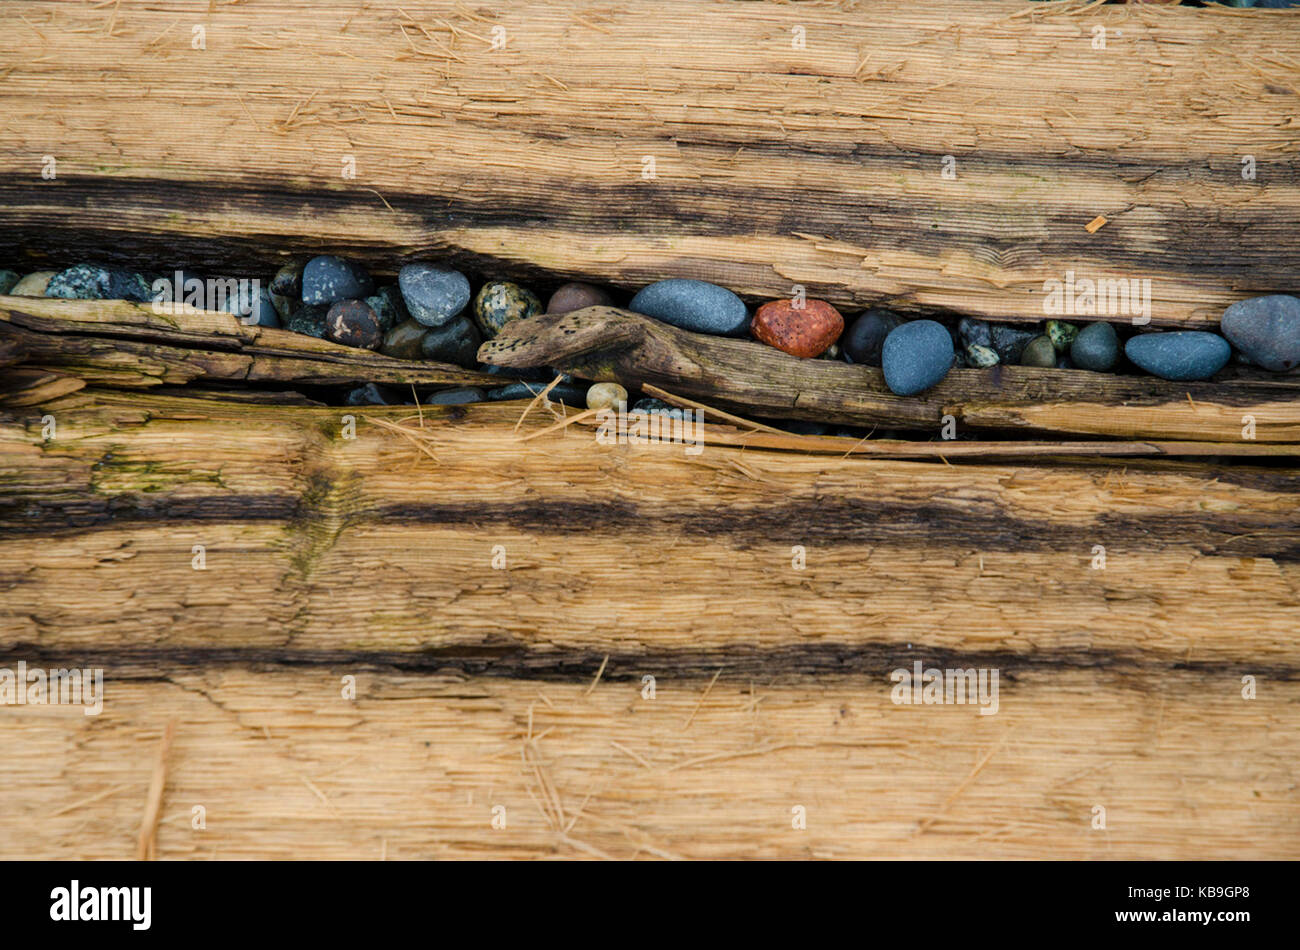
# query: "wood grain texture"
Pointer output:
{"type": "Point", "coordinates": [285, 768]}
{"type": "Point", "coordinates": [774, 166]}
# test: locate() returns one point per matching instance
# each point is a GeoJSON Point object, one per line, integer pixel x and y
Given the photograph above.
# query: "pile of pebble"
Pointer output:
{"type": "Point", "coordinates": [433, 313]}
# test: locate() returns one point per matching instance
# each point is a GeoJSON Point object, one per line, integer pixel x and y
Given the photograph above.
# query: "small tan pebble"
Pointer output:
{"type": "Point", "coordinates": [33, 285]}
{"type": "Point", "coordinates": [606, 396]}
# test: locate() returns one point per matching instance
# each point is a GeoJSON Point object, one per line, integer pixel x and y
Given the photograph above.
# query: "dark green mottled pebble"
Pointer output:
{"type": "Point", "coordinates": [499, 302]}
{"type": "Point", "coordinates": [454, 342]}
{"type": "Point", "coordinates": [88, 282]}
{"type": "Point", "coordinates": [1095, 348]}
{"type": "Point", "coordinates": [456, 397]}
{"type": "Point", "coordinates": [980, 357]}
{"type": "Point", "coordinates": [308, 319]}
{"type": "Point", "coordinates": [404, 341]}
{"type": "Point", "coordinates": [1039, 352]}
{"type": "Point", "coordinates": [389, 307]}
{"type": "Point", "coordinates": [1061, 334]}
{"type": "Point", "coordinates": [287, 281]}
{"type": "Point", "coordinates": [8, 279]}
{"type": "Point", "coordinates": [353, 323]}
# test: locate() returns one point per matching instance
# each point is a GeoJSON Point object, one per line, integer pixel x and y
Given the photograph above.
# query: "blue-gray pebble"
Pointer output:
{"type": "Point", "coordinates": [1266, 330]}
{"type": "Point", "coordinates": [1181, 355]}
{"type": "Point", "coordinates": [328, 279]}
{"type": "Point", "coordinates": [255, 310]}
{"type": "Point", "coordinates": [433, 293]}
{"type": "Point", "coordinates": [454, 342]}
{"type": "Point", "coordinates": [916, 356]}
{"type": "Point", "coordinates": [88, 282]}
{"type": "Point", "coordinates": [570, 395]}
{"type": "Point", "coordinates": [456, 397]}
{"type": "Point", "coordinates": [1095, 348]}
{"type": "Point", "coordinates": [693, 305]}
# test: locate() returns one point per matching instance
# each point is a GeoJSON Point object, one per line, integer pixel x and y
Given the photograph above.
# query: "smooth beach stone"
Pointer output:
{"type": "Point", "coordinates": [576, 296]}
{"type": "Point", "coordinates": [329, 279]}
{"type": "Point", "coordinates": [570, 395]}
{"type": "Point", "coordinates": [866, 335]}
{"type": "Point", "coordinates": [974, 332]}
{"type": "Point", "coordinates": [606, 396]}
{"type": "Point", "coordinates": [88, 282]}
{"type": "Point", "coordinates": [456, 397]}
{"type": "Point", "coordinates": [369, 395]}
{"type": "Point", "coordinates": [287, 281]}
{"type": "Point", "coordinates": [980, 357]}
{"type": "Point", "coordinates": [500, 301]}
{"type": "Point", "coordinates": [535, 374]}
{"type": "Point", "coordinates": [804, 331]}
{"type": "Point", "coordinates": [353, 323]}
{"type": "Point", "coordinates": [8, 278]}
{"type": "Point", "coordinates": [1180, 355]}
{"type": "Point", "coordinates": [388, 306]}
{"type": "Point", "coordinates": [308, 319]}
{"type": "Point", "coordinates": [831, 352]}
{"type": "Point", "coordinates": [1266, 330]}
{"type": "Point", "coordinates": [916, 356]}
{"type": "Point", "coordinates": [649, 406]}
{"type": "Point", "coordinates": [433, 293]}
{"type": "Point", "coordinates": [1095, 348]}
{"type": "Point", "coordinates": [455, 342]}
{"type": "Point", "coordinates": [693, 305]}
{"type": "Point", "coordinates": [1009, 343]}
{"type": "Point", "coordinates": [1061, 334]}
{"type": "Point", "coordinates": [404, 341]}
{"type": "Point", "coordinates": [255, 310]}
{"type": "Point", "coordinates": [1039, 352]}
{"type": "Point", "coordinates": [33, 285]}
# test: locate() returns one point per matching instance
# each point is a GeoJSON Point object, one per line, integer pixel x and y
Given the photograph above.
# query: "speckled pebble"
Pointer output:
{"type": "Point", "coordinates": [576, 296]}
{"type": "Point", "coordinates": [916, 356]}
{"type": "Point", "coordinates": [89, 282]}
{"type": "Point", "coordinates": [287, 281]}
{"type": "Point", "coordinates": [974, 332]}
{"type": "Point", "coordinates": [1266, 330]}
{"type": "Point", "coordinates": [1180, 355]}
{"type": "Point", "coordinates": [1095, 348]}
{"type": "Point", "coordinates": [500, 301]}
{"type": "Point", "coordinates": [1061, 334]}
{"type": "Point", "coordinates": [456, 397]}
{"type": "Point", "coordinates": [434, 293]}
{"type": "Point", "coordinates": [308, 319]}
{"type": "Point", "coordinates": [606, 396]}
{"type": "Point", "coordinates": [980, 357]}
{"type": "Point", "coordinates": [864, 338]}
{"type": "Point", "coordinates": [694, 305]}
{"type": "Point", "coordinates": [804, 331]}
{"type": "Point", "coordinates": [353, 323]}
{"type": "Point", "coordinates": [1039, 352]}
{"type": "Point", "coordinates": [33, 285]}
{"type": "Point", "coordinates": [329, 279]}
{"type": "Point", "coordinates": [456, 342]}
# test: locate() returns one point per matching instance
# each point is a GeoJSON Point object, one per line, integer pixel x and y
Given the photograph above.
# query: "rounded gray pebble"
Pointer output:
{"type": "Point", "coordinates": [1180, 355]}
{"type": "Point", "coordinates": [694, 305]}
{"type": "Point", "coordinates": [456, 397]}
{"type": "Point", "coordinates": [329, 279]}
{"type": "Point", "coordinates": [1095, 348]}
{"type": "Point", "coordinates": [916, 356]}
{"type": "Point", "coordinates": [1266, 330]}
{"type": "Point", "coordinates": [434, 293]}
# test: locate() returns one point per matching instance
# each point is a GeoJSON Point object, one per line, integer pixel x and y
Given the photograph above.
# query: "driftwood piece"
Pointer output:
{"type": "Point", "coordinates": [118, 343]}
{"type": "Point", "coordinates": [522, 686]}
{"type": "Point", "coordinates": [750, 378]}
{"type": "Point", "coordinates": [939, 155]}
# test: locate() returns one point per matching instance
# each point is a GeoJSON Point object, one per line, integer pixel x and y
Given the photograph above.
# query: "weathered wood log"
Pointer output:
{"type": "Point", "coordinates": [119, 343]}
{"type": "Point", "coordinates": [671, 139]}
{"type": "Point", "coordinates": [522, 686]}
{"type": "Point", "coordinates": [331, 544]}
{"type": "Point", "coordinates": [748, 377]}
